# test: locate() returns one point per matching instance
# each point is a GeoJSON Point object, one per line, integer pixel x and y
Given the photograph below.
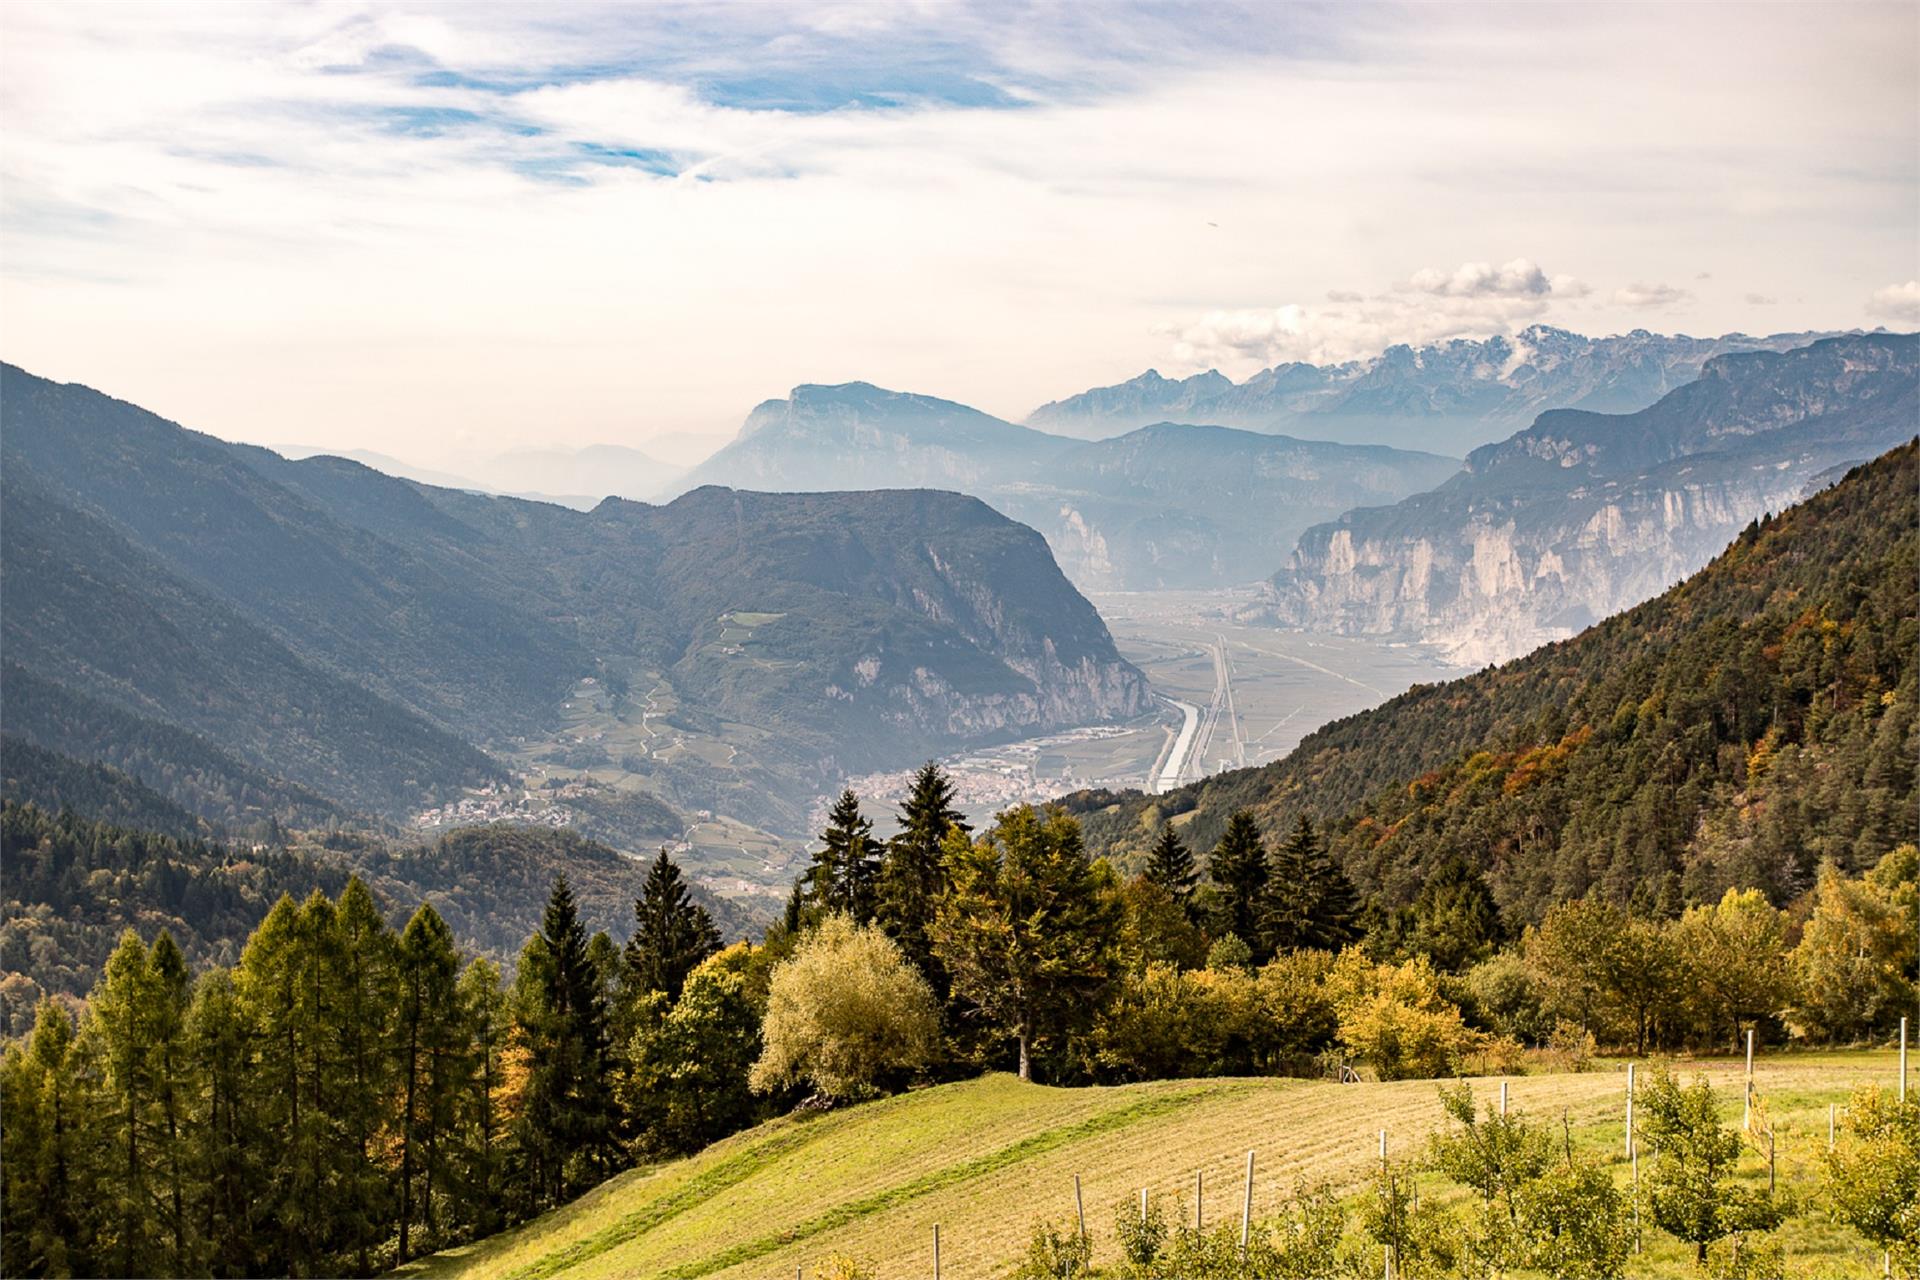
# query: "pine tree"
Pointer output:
{"type": "Point", "coordinates": [1027, 931]}
{"type": "Point", "coordinates": [1170, 865]}
{"type": "Point", "coordinates": [42, 1154]}
{"type": "Point", "coordinates": [566, 1121]}
{"type": "Point", "coordinates": [1454, 920]}
{"type": "Point", "coordinates": [913, 872]}
{"type": "Point", "coordinates": [431, 1036]}
{"type": "Point", "coordinates": [671, 933]}
{"type": "Point", "coordinates": [1238, 868]}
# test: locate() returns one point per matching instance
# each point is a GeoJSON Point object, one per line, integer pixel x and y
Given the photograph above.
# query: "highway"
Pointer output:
{"type": "Point", "coordinates": [1169, 776]}
{"type": "Point", "coordinates": [1189, 755]}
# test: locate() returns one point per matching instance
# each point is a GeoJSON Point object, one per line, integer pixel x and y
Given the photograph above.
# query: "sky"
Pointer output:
{"type": "Point", "coordinates": [440, 230]}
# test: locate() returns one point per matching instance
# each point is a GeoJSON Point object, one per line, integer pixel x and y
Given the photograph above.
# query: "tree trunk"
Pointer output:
{"type": "Point", "coordinates": [406, 1137]}
{"type": "Point", "coordinates": [1026, 1065]}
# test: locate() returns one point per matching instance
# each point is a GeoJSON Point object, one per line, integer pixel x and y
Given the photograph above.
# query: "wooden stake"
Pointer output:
{"type": "Point", "coordinates": [1079, 1206]}
{"type": "Point", "coordinates": [1246, 1208]}
{"type": "Point", "coordinates": [1199, 1191]}
{"type": "Point", "coordinates": [1829, 1126]}
{"type": "Point", "coordinates": [1503, 1097]}
{"type": "Point", "coordinates": [1143, 1204]}
{"type": "Point", "coordinates": [1383, 1150]}
{"type": "Point", "coordinates": [936, 1251]}
{"type": "Point", "coordinates": [1903, 1059]}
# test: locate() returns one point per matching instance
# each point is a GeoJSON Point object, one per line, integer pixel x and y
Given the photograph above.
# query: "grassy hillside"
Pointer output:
{"type": "Point", "coordinates": [985, 1158]}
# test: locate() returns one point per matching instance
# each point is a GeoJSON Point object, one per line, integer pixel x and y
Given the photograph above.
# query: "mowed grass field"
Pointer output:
{"type": "Point", "coordinates": [986, 1158]}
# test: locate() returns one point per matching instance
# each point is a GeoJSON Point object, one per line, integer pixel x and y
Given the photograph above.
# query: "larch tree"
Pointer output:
{"type": "Point", "coordinates": [367, 999]}
{"type": "Point", "coordinates": [431, 1037]}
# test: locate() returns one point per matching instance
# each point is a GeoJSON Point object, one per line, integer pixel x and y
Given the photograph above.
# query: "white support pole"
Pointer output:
{"type": "Point", "coordinates": [1630, 1111]}
{"type": "Point", "coordinates": [1143, 1204]}
{"type": "Point", "coordinates": [1903, 1059]}
{"type": "Point", "coordinates": [936, 1251]}
{"type": "Point", "coordinates": [1383, 1150]}
{"type": "Point", "coordinates": [1079, 1207]}
{"type": "Point", "coordinates": [1746, 1112]}
{"type": "Point", "coordinates": [1246, 1208]}
{"type": "Point", "coordinates": [1503, 1097]}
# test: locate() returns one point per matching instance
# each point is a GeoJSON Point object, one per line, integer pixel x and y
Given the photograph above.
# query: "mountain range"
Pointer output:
{"type": "Point", "coordinates": [1584, 514]}
{"type": "Point", "coordinates": [1168, 505]}
{"type": "Point", "coordinates": [1448, 396]}
{"type": "Point", "coordinates": [318, 635]}
{"type": "Point", "coordinates": [1737, 730]}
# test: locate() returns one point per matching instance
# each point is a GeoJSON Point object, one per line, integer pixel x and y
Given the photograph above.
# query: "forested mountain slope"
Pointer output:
{"type": "Point", "coordinates": [371, 639]}
{"type": "Point", "coordinates": [1750, 722]}
{"type": "Point", "coordinates": [1584, 514]}
{"type": "Point", "coordinates": [74, 884]}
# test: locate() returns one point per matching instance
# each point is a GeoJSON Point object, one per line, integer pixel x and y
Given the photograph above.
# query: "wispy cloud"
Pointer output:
{"type": "Point", "coordinates": [1650, 297]}
{"type": "Point", "coordinates": [1899, 303]}
{"type": "Point", "coordinates": [360, 221]}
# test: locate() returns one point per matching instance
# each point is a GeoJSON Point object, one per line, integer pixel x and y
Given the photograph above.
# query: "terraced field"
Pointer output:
{"type": "Point", "coordinates": [986, 1158]}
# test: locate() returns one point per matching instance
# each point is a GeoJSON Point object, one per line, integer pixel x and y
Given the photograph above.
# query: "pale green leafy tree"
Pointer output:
{"type": "Point", "coordinates": [845, 1011]}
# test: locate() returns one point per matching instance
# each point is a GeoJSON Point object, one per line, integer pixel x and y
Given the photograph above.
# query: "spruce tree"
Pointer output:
{"type": "Point", "coordinates": [1170, 865]}
{"type": "Point", "coordinates": [913, 872]}
{"type": "Point", "coordinates": [1238, 869]}
{"type": "Point", "coordinates": [1292, 895]}
{"type": "Point", "coordinates": [845, 873]}
{"type": "Point", "coordinates": [1454, 919]}
{"type": "Point", "coordinates": [484, 1006]}
{"type": "Point", "coordinates": [1334, 920]}
{"type": "Point", "coordinates": [671, 933]}
{"type": "Point", "coordinates": [566, 1121]}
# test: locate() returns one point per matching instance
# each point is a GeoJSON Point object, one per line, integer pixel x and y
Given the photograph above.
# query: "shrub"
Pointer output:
{"type": "Point", "coordinates": [848, 1009]}
{"type": "Point", "coordinates": [1054, 1253]}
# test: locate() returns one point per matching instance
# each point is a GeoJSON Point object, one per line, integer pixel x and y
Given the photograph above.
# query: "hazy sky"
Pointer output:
{"type": "Point", "coordinates": [435, 228]}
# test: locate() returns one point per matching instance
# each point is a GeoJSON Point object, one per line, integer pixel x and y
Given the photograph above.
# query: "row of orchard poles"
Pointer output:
{"type": "Point", "coordinates": [1387, 1260]}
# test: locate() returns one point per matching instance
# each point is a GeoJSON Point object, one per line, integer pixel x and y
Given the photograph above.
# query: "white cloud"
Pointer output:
{"type": "Point", "coordinates": [331, 222]}
{"type": "Point", "coordinates": [1761, 300]}
{"type": "Point", "coordinates": [1899, 303]}
{"type": "Point", "coordinates": [1474, 300]}
{"type": "Point", "coordinates": [1647, 297]}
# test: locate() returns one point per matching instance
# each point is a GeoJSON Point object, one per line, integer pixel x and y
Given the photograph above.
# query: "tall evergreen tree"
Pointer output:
{"type": "Point", "coordinates": [1026, 930]}
{"type": "Point", "coordinates": [367, 1001]}
{"type": "Point", "coordinates": [913, 872]}
{"type": "Point", "coordinates": [671, 933]}
{"type": "Point", "coordinates": [1170, 865]}
{"type": "Point", "coordinates": [1238, 869]}
{"type": "Point", "coordinates": [43, 1166]}
{"type": "Point", "coordinates": [1334, 919]}
{"type": "Point", "coordinates": [433, 1044]}
{"type": "Point", "coordinates": [1292, 895]}
{"type": "Point", "coordinates": [845, 873]}
{"type": "Point", "coordinates": [1454, 920]}
{"type": "Point", "coordinates": [227, 1149]}
{"type": "Point", "coordinates": [123, 1011]}
{"type": "Point", "coordinates": [566, 1124]}
{"type": "Point", "coordinates": [172, 1090]}
{"type": "Point", "coordinates": [489, 1024]}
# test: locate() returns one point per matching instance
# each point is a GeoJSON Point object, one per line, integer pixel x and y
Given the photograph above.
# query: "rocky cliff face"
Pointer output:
{"type": "Point", "coordinates": [1449, 396]}
{"type": "Point", "coordinates": [1586, 514]}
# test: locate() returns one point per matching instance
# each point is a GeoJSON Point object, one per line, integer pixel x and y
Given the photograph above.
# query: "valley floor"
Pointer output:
{"type": "Point", "coordinates": [987, 1158]}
